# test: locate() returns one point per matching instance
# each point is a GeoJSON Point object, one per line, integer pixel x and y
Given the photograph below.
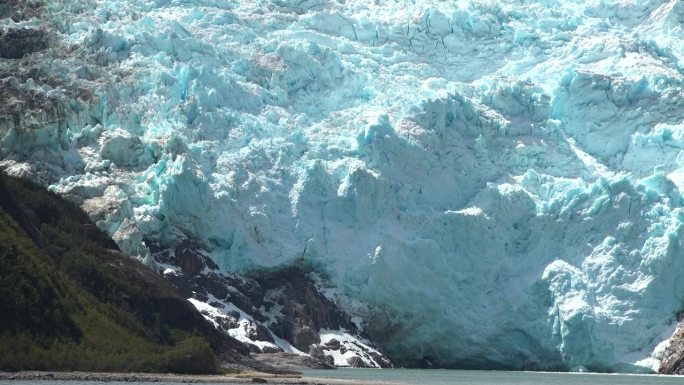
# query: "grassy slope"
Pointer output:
{"type": "Point", "coordinates": [70, 301]}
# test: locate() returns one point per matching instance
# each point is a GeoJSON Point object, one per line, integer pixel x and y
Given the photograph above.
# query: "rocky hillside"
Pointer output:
{"type": "Point", "coordinates": [70, 300]}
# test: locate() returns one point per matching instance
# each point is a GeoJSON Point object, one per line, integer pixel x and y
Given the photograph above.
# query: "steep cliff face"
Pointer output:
{"type": "Point", "coordinates": [441, 164]}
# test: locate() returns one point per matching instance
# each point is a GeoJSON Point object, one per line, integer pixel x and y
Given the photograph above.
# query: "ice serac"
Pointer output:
{"type": "Point", "coordinates": [480, 184]}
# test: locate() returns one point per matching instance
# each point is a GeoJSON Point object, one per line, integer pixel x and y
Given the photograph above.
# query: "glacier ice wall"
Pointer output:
{"type": "Point", "coordinates": [485, 184]}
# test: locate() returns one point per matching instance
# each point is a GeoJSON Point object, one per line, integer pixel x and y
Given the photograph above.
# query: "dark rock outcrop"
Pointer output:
{"type": "Point", "coordinates": [285, 303]}
{"type": "Point", "coordinates": [356, 362]}
{"type": "Point", "coordinates": [304, 309]}
{"type": "Point", "coordinates": [292, 361]}
{"type": "Point", "coordinates": [672, 360]}
{"type": "Point", "coordinates": [317, 352]}
{"type": "Point", "coordinates": [188, 256]}
{"type": "Point", "coordinates": [19, 42]}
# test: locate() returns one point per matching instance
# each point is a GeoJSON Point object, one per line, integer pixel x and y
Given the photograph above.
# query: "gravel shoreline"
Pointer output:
{"type": "Point", "coordinates": [238, 378]}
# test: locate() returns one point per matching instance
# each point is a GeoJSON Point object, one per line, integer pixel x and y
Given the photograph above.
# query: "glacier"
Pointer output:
{"type": "Point", "coordinates": [480, 183]}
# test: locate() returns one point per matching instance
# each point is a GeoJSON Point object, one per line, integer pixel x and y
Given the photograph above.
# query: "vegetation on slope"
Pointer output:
{"type": "Point", "coordinates": [69, 300]}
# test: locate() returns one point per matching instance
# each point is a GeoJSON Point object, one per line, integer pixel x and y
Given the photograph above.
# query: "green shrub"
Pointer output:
{"type": "Point", "coordinates": [191, 356]}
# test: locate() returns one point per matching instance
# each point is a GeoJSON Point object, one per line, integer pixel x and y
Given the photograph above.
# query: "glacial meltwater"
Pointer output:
{"type": "Point", "coordinates": [476, 377]}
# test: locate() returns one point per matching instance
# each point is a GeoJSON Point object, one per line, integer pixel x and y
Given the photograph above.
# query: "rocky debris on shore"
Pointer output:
{"type": "Point", "coordinates": [292, 361]}
{"type": "Point", "coordinates": [239, 378]}
{"type": "Point", "coordinates": [235, 378]}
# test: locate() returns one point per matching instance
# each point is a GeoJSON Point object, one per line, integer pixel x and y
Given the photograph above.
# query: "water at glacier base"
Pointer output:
{"type": "Point", "coordinates": [478, 377]}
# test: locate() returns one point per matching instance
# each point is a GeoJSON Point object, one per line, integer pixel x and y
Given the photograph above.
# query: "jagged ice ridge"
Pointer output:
{"type": "Point", "coordinates": [487, 184]}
